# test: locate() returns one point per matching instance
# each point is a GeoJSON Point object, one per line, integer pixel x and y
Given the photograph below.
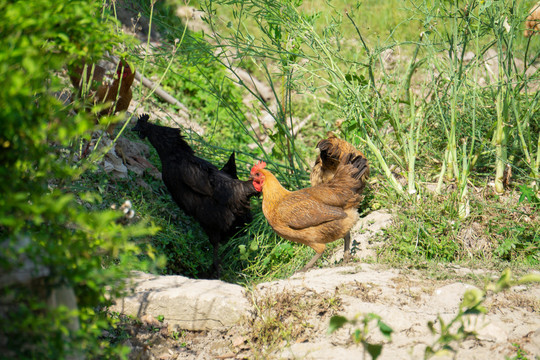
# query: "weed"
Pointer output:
{"type": "Point", "coordinates": [121, 328]}
{"type": "Point", "coordinates": [175, 335]}
{"type": "Point", "coordinates": [449, 337]}
{"type": "Point", "coordinates": [434, 231]}
{"type": "Point", "coordinates": [360, 335]}
{"type": "Point", "coordinates": [286, 316]}
{"type": "Point", "coordinates": [455, 125]}
{"type": "Point", "coordinates": [520, 354]}
{"type": "Point", "coordinates": [366, 292]}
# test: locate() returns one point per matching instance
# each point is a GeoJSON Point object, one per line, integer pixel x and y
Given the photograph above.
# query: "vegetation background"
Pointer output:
{"type": "Point", "coordinates": [442, 97]}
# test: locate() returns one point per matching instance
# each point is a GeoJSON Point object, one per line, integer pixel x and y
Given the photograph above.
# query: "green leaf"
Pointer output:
{"type": "Point", "coordinates": [374, 350]}
{"type": "Point", "coordinates": [242, 249]}
{"type": "Point", "coordinates": [472, 298]}
{"type": "Point", "coordinates": [385, 329]}
{"type": "Point", "coordinates": [357, 336]}
{"type": "Point", "coordinates": [371, 316]}
{"type": "Point", "coordinates": [475, 311]}
{"type": "Point", "coordinates": [431, 327]}
{"type": "Point", "coordinates": [529, 278]}
{"type": "Point", "coordinates": [336, 322]}
{"type": "Point", "coordinates": [505, 281]}
{"type": "Point", "coordinates": [63, 37]}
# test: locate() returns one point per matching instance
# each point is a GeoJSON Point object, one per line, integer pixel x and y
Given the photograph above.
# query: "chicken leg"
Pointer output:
{"type": "Point", "coordinates": [346, 254]}
{"type": "Point", "coordinates": [311, 262]}
{"type": "Point", "coordinates": [347, 248]}
{"type": "Point", "coordinates": [217, 262]}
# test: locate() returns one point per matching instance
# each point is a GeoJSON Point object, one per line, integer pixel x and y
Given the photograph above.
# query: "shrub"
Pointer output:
{"type": "Point", "coordinates": [53, 238]}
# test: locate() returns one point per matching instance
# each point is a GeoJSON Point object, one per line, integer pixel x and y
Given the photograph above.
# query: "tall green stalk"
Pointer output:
{"type": "Point", "coordinates": [499, 142]}
{"type": "Point", "coordinates": [463, 207]}
{"type": "Point", "coordinates": [504, 88]}
{"type": "Point", "coordinates": [413, 140]}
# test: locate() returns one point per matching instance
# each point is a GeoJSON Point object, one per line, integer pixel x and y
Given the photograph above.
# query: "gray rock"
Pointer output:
{"type": "Point", "coordinates": [324, 280]}
{"type": "Point", "coordinates": [187, 303]}
{"type": "Point", "coordinates": [132, 148]}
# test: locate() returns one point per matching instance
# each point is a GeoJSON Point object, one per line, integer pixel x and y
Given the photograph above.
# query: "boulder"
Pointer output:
{"type": "Point", "coordinates": [187, 303]}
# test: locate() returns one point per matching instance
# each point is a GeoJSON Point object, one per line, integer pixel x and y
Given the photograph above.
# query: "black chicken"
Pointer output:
{"type": "Point", "coordinates": [215, 198]}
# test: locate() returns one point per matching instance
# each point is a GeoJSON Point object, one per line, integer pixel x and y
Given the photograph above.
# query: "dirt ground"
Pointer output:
{"type": "Point", "coordinates": [292, 316]}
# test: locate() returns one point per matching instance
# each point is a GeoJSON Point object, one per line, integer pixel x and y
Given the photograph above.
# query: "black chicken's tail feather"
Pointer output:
{"type": "Point", "coordinates": [230, 167]}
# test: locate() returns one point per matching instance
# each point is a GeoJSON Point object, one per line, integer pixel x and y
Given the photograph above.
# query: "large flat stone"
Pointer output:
{"type": "Point", "coordinates": [188, 303]}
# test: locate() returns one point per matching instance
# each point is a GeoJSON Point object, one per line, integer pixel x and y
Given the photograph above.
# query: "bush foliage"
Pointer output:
{"type": "Point", "coordinates": [51, 236]}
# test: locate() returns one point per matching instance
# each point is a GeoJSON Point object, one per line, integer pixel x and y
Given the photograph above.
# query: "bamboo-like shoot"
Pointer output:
{"type": "Point", "coordinates": [384, 166]}
{"type": "Point", "coordinates": [499, 141]}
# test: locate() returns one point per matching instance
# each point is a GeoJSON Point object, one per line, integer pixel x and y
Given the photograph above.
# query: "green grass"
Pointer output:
{"type": "Point", "coordinates": [427, 229]}
{"type": "Point", "coordinates": [431, 230]}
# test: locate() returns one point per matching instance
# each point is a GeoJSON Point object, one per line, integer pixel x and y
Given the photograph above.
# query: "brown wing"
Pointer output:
{"type": "Point", "coordinates": [338, 197]}
{"type": "Point", "coordinates": [94, 75]}
{"type": "Point", "coordinates": [300, 210]}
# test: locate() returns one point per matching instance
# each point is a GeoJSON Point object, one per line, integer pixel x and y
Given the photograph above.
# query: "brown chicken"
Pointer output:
{"type": "Point", "coordinates": [333, 151]}
{"type": "Point", "coordinates": [316, 215]}
{"type": "Point", "coordinates": [532, 23]}
{"type": "Point", "coordinates": [118, 93]}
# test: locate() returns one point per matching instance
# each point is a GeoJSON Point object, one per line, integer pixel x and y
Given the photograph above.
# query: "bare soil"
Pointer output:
{"type": "Point", "coordinates": [292, 318]}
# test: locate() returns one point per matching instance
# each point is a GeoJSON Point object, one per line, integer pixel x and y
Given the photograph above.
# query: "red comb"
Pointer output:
{"type": "Point", "coordinates": [122, 64]}
{"type": "Point", "coordinates": [258, 166]}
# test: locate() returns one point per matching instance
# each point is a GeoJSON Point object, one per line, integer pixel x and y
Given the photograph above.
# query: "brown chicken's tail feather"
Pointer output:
{"type": "Point", "coordinates": [328, 150]}
{"type": "Point", "coordinates": [334, 153]}
{"type": "Point", "coordinates": [333, 150]}
{"type": "Point", "coordinates": [352, 172]}
{"type": "Point", "coordinates": [361, 166]}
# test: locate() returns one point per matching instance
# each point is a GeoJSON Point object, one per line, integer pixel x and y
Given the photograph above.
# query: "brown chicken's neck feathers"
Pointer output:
{"type": "Point", "coordinates": [272, 188]}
